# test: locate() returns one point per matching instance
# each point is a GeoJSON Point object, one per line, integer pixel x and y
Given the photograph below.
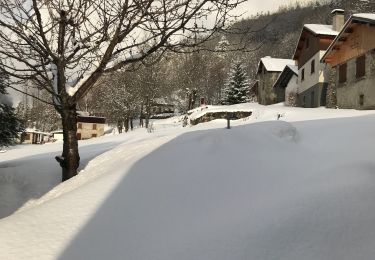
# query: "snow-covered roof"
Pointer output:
{"type": "Point", "coordinates": [293, 68]}
{"type": "Point", "coordinates": [366, 16]}
{"type": "Point", "coordinates": [35, 131]}
{"type": "Point", "coordinates": [321, 29]}
{"type": "Point", "coordinates": [275, 64]}
{"type": "Point", "coordinates": [83, 113]}
{"type": "Point", "coordinates": [337, 11]}
{"type": "Point", "coordinates": [57, 132]}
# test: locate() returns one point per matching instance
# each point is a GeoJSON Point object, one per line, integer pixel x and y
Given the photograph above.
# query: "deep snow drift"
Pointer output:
{"type": "Point", "coordinates": [261, 190]}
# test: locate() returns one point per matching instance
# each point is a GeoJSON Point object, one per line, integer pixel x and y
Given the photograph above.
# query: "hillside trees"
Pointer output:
{"type": "Point", "coordinates": [65, 46]}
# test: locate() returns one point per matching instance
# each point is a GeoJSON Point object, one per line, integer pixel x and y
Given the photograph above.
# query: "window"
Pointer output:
{"type": "Point", "coordinates": [342, 73]}
{"type": "Point", "coordinates": [27, 137]}
{"type": "Point", "coordinates": [312, 66]}
{"type": "Point", "coordinates": [94, 135]}
{"type": "Point", "coordinates": [361, 100]}
{"type": "Point", "coordinates": [303, 75]}
{"type": "Point", "coordinates": [307, 42]}
{"type": "Point", "coordinates": [79, 125]}
{"type": "Point", "coordinates": [361, 66]}
{"type": "Point", "coordinates": [94, 127]}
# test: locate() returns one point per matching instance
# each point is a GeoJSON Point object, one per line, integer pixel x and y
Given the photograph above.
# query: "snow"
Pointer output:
{"type": "Point", "coordinates": [321, 29]}
{"type": "Point", "coordinates": [297, 188]}
{"type": "Point", "coordinates": [275, 64]}
{"type": "Point", "coordinates": [367, 16]}
{"type": "Point", "coordinates": [337, 11]}
{"type": "Point", "coordinates": [293, 68]}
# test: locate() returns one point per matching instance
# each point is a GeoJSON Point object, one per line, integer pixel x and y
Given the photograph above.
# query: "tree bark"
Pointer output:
{"type": "Point", "coordinates": [148, 111]}
{"type": "Point", "coordinates": [69, 160]}
{"type": "Point", "coordinates": [131, 124]}
{"type": "Point", "coordinates": [126, 123]}
{"type": "Point", "coordinates": [141, 116]}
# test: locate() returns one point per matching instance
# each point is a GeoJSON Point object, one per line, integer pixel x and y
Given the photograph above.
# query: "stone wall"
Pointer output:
{"type": "Point", "coordinates": [266, 94]}
{"type": "Point", "coordinates": [331, 100]}
{"type": "Point", "coordinates": [357, 90]}
{"type": "Point", "coordinates": [220, 115]}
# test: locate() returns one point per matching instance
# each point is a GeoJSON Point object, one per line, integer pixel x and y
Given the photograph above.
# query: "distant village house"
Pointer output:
{"type": "Point", "coordinates": [34, 136]}
{"type": "Point", "coordinates": [269, 70]}
{"type": "Point", "coordinates": [161, 109]}
{"type": "Point", "coordinates": [89, 126]}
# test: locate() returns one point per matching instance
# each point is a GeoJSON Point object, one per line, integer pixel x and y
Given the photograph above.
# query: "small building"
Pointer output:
{"type": "Point", "coordinates": [34, 136]}
{"type": "Point", "coordinates": [286, 85]}
{"type": "Point", "coordinates": [57, 135]}
{"type": "Point", "coordinates": [313, 76]}
{"type": "Point", "coordinates": [269, 70]}
{"type": "Point", "coordinates": [352, 56]}
{"type": "Point", "coordinates": [161, 109]}
{"type": "Point", "coordinates": [89, 126]}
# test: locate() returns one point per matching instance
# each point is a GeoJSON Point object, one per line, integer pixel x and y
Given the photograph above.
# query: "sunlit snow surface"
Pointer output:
{"type": "Point", "coordinates": [299, 188]}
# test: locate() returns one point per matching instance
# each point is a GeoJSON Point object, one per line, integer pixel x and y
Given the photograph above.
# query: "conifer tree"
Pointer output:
{"type": "Point", "coordinates": [237, 87]}
{"type": "Point", "coordinates": [10, 125]}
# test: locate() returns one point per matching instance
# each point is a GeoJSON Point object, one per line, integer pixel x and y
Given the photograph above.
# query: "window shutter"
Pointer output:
{"type": "Point", "coordinates": [361, 66]}
{"type": "Point", "coordinates": [342, 73]}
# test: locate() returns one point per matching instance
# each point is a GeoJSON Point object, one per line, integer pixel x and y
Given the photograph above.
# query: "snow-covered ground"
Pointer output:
{"type": "Point", "coordinates": [302, 187]}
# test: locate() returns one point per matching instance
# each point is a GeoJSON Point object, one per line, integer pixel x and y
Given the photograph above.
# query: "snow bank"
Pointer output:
{"type": "Point", "coordinates": [297, 188]}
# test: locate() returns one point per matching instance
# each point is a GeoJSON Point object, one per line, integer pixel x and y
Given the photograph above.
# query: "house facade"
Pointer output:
{"type": "Point", "coordinates": [268, 72]}
{"type": "Point", "coordinates": [352, 56]}
{"type": "Point", "coordinates": [313, 76]}
{"type": "Point", "coordinates": [89, 127]}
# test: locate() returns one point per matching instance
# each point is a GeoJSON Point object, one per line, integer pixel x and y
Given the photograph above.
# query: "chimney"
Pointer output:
{"type": "Point", "coordinates": [338, 19]}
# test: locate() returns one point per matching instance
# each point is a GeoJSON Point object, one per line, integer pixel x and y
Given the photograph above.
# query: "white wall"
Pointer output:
{"type": "Point", "coordinates": [319, 76]}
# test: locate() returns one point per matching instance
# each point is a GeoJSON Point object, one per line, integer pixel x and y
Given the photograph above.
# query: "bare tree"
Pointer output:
{"type": "Point", "coordinates": [64, 46]}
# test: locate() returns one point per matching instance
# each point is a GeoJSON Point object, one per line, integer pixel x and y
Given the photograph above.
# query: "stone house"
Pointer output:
{"type": "Point", "coordinates": [89, 126]}
{"type": "Point", "coordinates": [268, 72]}
{"type": "Point", "coordinates": [313, 76]}
{"type": "Point", "coordinates": [352, 56]}
{"type": "Point", "coordinates": [286, 85]}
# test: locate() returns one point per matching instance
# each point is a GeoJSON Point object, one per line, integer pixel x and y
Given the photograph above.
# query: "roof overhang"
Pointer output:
{"type": "Point", "coordinates": [344, 33]}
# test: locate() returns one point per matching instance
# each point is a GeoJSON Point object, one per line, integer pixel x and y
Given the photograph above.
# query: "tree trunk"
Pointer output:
{"type": "Point", "coordinates": [69, 160]}
{"type": "Point", "coordinates": [119, 126]}
{"type": "Point", "coordinates": [141, 116]}
{"type": "Point", "coordinates": [126, 123]}
{"type": "Point", "coordinates": [131, 124]}
{"type": "Point", "coordinates": [148, 111]}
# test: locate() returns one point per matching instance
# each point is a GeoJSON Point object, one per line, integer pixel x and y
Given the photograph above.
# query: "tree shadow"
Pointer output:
{"type": "Point", "coordinates": [31, 177]}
